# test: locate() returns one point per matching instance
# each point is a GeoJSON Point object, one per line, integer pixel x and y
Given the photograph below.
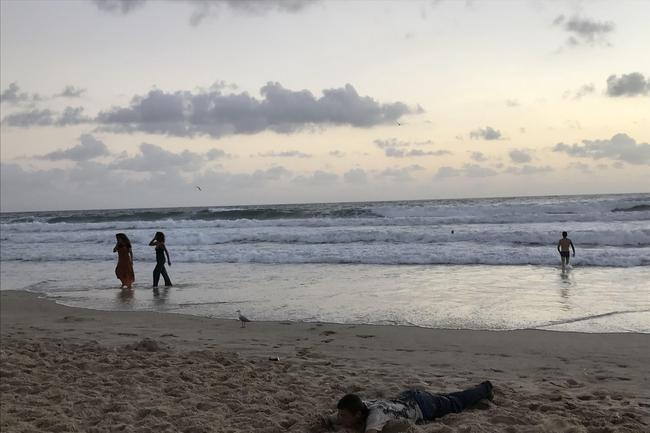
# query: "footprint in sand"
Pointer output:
{"type": "Point", "coordinates": [365, 336]}
{"type": "Point", "coordinates": [326, 333]}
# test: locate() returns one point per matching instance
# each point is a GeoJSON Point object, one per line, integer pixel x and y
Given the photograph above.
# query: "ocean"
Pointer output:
{"type": "Point", "coordinates": [462, 264]}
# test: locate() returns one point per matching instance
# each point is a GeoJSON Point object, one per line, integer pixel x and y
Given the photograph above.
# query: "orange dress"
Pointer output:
{"type": "Point", "coordinates": [124, 269]}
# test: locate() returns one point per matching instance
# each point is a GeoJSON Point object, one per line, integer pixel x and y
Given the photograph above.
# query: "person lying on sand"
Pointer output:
{"type": "Point", "coordinates": [371, 416]}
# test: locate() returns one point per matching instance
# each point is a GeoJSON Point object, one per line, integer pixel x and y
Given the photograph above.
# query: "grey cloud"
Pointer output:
{"type": "Point", "coordinates": [633, 84]}
{"type": "Point", "coordinates": [400, 174]}
{"type": "Point", "coordinates": [584, 31]}
{"type": "Point", "coordinates": [585, 90]}
{"type": "Point", "coordinates": [520, 156]}
{"type": "Point", "coordinates": [478, 156]}
{"type": "Point", "coordinates": [71, 92]}
{"type": "Point", "coordinates": [12, 95]}
{"type": "Point", "coordinates": [336, 153]}
{"type": "Point", "coordinates": [528, 170]}
{"type": "Point", "coordinates": [512, 103]}
{"type": "Point", "coordinates": [620, 147]}
{"type": "Point", "coordinates": [216, 114]}
{"type": "Point", "coordinates": [228, 181]}
{"type": "Point", "coordinates": [355, 176]}
{"type": "Point", "coordinates": [72, 116]}
{"type": "Point", "coordinates": [88, 148]}
{"type": "Point", "coordinates": [488, 133]}
{"type": "Point", "coordinates": [118, 6]}
{"type": "Point", "coordinates": [394, 142]}
{"type": "Point", "coordinates": [46, 117]}
{"type": "Point", "coordinates": [206, 8]}
{"type": "Point", "coordinates": [213, 154]}
{"type": "Point", "coordinates": [392, 152]}
{"type": "Point", "coordinates": [317, 178]}
{"type": "Point", "coordinates": [285, 154]}
{"type": "Point", "coordinates": [153, 158]}
{"type": "Point", "coordinates": [585, 168]}
{"type": "Point", "coordinates": [468, 170]}
{"type": "Point", "coordinates": [25, 119]}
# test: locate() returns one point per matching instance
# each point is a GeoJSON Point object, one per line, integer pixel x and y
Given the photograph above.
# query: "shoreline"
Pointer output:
{"type": "Point", "coordinates": [544, 380]}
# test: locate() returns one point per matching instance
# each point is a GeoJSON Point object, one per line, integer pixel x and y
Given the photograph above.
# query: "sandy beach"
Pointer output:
{"type": "Point", "coordinates": [70, 369]}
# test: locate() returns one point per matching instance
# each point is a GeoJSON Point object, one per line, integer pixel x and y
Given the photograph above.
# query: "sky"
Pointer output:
{"type": "Point", "coordinates": [123, 104]}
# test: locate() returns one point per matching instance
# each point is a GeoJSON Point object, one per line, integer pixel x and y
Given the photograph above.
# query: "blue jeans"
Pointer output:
{"type": "Point", "coordinates": [436, 405]}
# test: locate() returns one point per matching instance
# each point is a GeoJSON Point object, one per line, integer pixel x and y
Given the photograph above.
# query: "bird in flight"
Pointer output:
{"type": "Point", "coordinates": [398, 124]}
{"type": "Point", "coordinates": [199, 188]}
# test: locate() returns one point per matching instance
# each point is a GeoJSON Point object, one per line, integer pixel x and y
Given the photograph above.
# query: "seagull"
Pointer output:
{"type": "Point", "coordinates": [242, 319]}
{"type": "Point", "coordinates": [398, 124]}
{"type": "Point", "coordinates": [199, 188]}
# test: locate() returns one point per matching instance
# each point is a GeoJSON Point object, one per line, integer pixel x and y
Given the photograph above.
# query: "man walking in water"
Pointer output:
{"type": "Point", "coordinates": [563, 248]}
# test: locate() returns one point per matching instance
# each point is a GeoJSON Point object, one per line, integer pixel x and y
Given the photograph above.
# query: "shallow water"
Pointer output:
{"type": "Point", "coordinates": [584, 299]}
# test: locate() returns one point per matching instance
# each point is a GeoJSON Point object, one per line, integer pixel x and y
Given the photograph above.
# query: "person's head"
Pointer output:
{"type": "Point", "coordinates": [123, 239]}
{"type": "Point", "coordinates": [352, 411]}
{"type": "Point", "coordinates": [565, 234]}
{"type": "Point", "coordinates": [160, 237]}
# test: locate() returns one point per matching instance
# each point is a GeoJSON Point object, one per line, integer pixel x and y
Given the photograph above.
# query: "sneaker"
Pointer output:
{"type": "Point", "coordinates": [489, 387]}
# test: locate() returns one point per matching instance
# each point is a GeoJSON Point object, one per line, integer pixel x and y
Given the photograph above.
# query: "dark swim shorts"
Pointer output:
{"type": "Point", "coordinates": [564, 254]}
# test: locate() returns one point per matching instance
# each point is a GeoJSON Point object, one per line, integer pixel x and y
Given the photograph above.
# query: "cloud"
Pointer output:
{"type": "Point", "coordinates": [394, 142]}
{"type": "Point", "coordinates": [213, 154]}
{"type": "Point", "coordinates": [478, 156]}
{"type": "Point", "coordinates": [468, 170]}
{"type": "Point", "coordinates": [402, 174]}
{"type": "Point", "coordinates": [633, 84]}
{"type": "Point", "coordinates": [584, 31]}
{"type": "Point", "coordinates": [528, 170]}
{"type": "Point", "coordinates": [355, 176]}
{"type": "Point", "coordinates": [394, 148]}
{"type": "Point", "coordinates": [392, 152]}
{"type": "Point", "coordinates": [25, 119]}
{"type": "Point", "coordinates": [71, 92]}
{"type": "Point", "coordinates": [336, 153]}
{"type": "Point", "coordinates": [581, 92]}
{"type": "Point", "coordinates": [520, 156]}
{"type": "Point", "coordinates": [118, 6]}
{"type": "Point", "coordinates": [12, 95]}
{"type": "Point", "coordinates": [285, 154]}
{"type": "Point", "coordinates": [317, 178]}
{"type": "Point", "coordinates": [488, 133]}
{"type": "Point", "coordinates": [620, 147]}
{"type": "Point", "coordinates": [216, 114]}
{"type": "Point", "coordinates": [512, 103]}
{"type": "Point", "coordinates": [153, 158]}
{"type": "Point", "coordinates": [206, 8]}
{"type": "Point", "coordinates": [46, 117]}
{"type": "Point", "coordinates": [88, 148]}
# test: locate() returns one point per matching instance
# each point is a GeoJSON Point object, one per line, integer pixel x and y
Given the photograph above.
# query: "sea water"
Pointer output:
{"type": "Point", "coordinates": [465, 264]}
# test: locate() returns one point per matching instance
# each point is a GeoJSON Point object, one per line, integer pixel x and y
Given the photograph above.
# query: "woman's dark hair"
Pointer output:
{"type": "Point", "coordinates": [353, 404]}
{"type": "Point", "coordinates": [123, 239]}
{"type": "Point", "coordinates": [160, 236]}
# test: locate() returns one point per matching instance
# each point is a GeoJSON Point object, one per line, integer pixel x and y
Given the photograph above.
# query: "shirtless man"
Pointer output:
{"type": "Point", "coordinates": [563, 248]}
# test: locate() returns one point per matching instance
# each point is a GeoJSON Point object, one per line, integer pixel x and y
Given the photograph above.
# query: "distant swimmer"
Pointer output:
{"type": "Point", "coordinates": [563, 248]}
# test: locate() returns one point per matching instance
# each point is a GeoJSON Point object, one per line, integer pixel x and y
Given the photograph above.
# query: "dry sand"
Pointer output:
{"type": "Point", "coordinates": [68, 369]}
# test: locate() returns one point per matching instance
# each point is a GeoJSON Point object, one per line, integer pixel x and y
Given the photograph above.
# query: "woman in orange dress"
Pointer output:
{"type": "Point", "coordinates": [124, 269]}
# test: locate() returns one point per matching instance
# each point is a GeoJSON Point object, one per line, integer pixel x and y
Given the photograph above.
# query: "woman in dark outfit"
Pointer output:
{"type": "Point", "coordinates": [158, 241]}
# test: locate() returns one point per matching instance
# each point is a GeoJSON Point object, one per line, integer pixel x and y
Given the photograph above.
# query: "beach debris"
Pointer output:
{"type": "Point", "coordinates": [243, 319]}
